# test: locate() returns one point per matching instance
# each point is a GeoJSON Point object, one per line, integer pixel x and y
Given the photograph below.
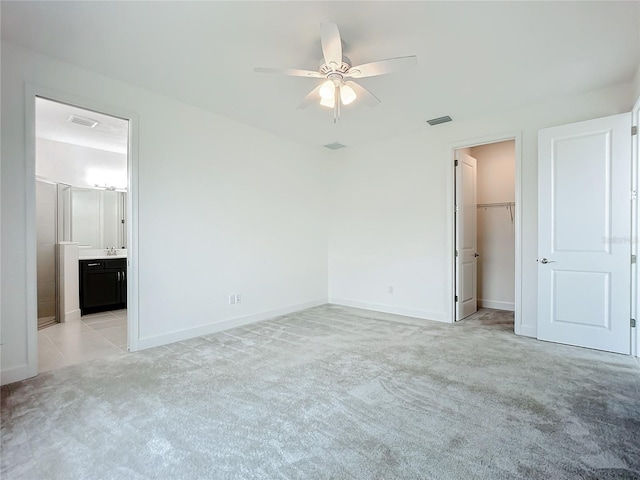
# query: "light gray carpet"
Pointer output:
{"type": "Point", "coordinates": [337, 393]}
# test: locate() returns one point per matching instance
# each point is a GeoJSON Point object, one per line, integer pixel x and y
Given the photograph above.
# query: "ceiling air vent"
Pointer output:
{"type": "Point", "coordinates": [439, 120]}
{"type": "Point", "coordinates": [334, 146]}
{"type": "Point", "coordinates": [84, 121]}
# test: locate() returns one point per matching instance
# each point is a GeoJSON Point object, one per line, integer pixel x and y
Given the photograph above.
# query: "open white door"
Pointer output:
{"type": "Point", "coordinates": [584, 234]}
{"type": "Point", "coordinates": [466, 236]}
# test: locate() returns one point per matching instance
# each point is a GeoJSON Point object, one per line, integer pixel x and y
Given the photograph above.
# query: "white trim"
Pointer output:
{"type": "Point", "coordinates": [450, 201]}
{"type": "Point", "coordinates": [496, 305]}
{"type": "Point", "coordinates": [15, 374]}
{"type": "Point", "coordinates": [188, 333]}
{"type": "Point", "coordinates": [635, 221]}
{"type": "Point", "coordinates": [377, 307]}
{"type": "Point", "coordinates": [72, 315]}
{"type": "Point", "coordinates": [133, 305]}
{"type": "Point", "coordinates": [31, 92]}
{"type": "Point", "coordinates": [31, 266]}
{"type": "Point", "coordinates": [528, 331]}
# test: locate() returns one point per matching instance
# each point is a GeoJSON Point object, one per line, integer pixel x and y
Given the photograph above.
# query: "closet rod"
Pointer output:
{"type": "Point", "coordinates": [504, 204]}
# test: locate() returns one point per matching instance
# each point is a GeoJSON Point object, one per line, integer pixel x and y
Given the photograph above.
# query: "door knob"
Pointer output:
{"type": "Point", "coordinates": [545, 261]}
{"type": "Point", "coordinates": [476, 255]}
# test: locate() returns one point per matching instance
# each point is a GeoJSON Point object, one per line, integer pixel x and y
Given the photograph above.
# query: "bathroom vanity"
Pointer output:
{"type": "Point", "coordinates": [103, 284]}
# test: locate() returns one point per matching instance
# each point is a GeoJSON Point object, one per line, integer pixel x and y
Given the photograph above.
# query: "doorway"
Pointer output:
{"type": "Point", "coordinates": [82, 184]}
{"type": "Point", "coordinates": [486, 231]}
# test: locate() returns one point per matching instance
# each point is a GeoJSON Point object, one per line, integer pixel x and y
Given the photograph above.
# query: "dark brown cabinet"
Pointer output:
{"type": "Point", "coordinates": [103, 285]}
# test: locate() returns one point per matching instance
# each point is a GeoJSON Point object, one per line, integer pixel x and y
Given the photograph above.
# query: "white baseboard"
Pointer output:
{"type": "Point", "coordinates": [72, 315]}
{"type": "Point", "coordinates": [227, 324]}
{"type": "Point", "coordinates": [526, 331]}
{"type": "Point", "coordinates": [376, 307]}
{"type": "Point", "coordinates": [496, 305]}
{"type": "Point", "coordinates": [15, 374]}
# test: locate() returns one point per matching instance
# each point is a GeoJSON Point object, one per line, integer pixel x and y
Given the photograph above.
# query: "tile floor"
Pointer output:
{"type": "Point", "coordinates": [93, 336]}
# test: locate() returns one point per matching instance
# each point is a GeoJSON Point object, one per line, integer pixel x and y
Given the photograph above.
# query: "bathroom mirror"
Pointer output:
{"type": "Point", "coordinates": [96, 217]}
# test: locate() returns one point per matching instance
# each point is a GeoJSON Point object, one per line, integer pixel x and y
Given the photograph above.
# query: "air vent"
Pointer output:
{"type": "Point", "coordinates": [84, 121]}
{"type": "Point", "coordinates": [438, 121]}
{"type": "Point", "coordinates": [334, 146]}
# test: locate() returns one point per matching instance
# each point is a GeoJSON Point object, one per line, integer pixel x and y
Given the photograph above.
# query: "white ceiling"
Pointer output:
{"type": "Point", "coordinates": [52, 123]}
{"type": "Point", "coordinates": [474, 58]}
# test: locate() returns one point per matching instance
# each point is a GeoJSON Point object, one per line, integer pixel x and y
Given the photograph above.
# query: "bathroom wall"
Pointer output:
{"type": "Point", "coordinates": [80, 166]}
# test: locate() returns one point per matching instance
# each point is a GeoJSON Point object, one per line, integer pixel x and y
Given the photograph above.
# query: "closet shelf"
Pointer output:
{"type": "Point", "coordinates": [503, 204]}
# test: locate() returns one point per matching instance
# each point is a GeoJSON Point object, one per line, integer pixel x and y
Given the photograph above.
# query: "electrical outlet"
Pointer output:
{"type": "Point", "coordinates": [238, 298]}
{"type": "Point", "coordinates": [232, 299]}
{"type": "Point", "coordinates": [391, 289]}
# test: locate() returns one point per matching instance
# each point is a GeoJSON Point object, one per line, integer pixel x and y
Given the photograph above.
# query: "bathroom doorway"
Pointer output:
{"type": "Point", "coordinates": [82, 230]}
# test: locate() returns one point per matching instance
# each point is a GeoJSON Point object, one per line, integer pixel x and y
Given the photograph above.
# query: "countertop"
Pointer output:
{"type": "Point", "coordinates": [101, 257]}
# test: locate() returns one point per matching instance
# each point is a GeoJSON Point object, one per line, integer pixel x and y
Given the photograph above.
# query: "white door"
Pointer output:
{"type": "Point", "coordinates": [584, 234]}
{"type": "Point", "coordinates": [466, 236]}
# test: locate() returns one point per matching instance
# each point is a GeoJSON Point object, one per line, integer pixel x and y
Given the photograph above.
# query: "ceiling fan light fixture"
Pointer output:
{"type": "Point", "coordinates": [327, 102]}
{"type": "Point", "coordinates": [327, 90]}
{"type": "Point", "coordinates": [347, 94]}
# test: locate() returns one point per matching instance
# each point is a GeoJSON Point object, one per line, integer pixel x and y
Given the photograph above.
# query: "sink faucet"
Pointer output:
{"type": "Point", "coordinates": [110, 251]}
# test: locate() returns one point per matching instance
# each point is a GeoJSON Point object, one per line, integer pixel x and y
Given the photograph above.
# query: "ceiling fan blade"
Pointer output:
{"type": "Point", "coordinates": [312, 97]}
{"type": "Point", "coordinates": [363, 94]}
{"type": "Point", "coordinates": [382, 67]}
{"type": "Point", "coordinates": [290, 71]}
{"type": "Point", "coordinates": [331, 44]}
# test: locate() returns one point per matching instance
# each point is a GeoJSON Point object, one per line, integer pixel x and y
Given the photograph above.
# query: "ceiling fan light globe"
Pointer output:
{"type": "Point", "coordinates": [327, 90]}
{"type": "Point", "coordinates": [327, 102]}
{"type": "Point", "coordinates": [347, 94]}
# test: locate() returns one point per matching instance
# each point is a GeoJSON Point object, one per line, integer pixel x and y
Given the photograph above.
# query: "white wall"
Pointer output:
{"type": "Point", "coordinates": [223, 208]}
{"type": "Point", "coordinates": [80, 166]}
{"type": "Point", "coordinates": [496, 171]}
{"type": "Point", "coordinates": [391, 221]}
{"type": "Point", "coordinates": [636, 82]}
{"type": "Point", "coordinates": [496, 230]}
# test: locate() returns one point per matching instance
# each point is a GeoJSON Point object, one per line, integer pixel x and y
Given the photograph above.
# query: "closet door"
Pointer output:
{"type": "Point", "coordinates": [466, 236]}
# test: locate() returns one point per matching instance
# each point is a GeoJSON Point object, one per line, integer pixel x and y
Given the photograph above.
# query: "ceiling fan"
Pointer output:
{"type": "Point", "coordinates": [338, 88]}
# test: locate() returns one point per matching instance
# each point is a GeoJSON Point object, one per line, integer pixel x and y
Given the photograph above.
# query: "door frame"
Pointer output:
{"type": "Point", "coordinates": [475, 142]}
{"type": "Point", "coordinates": [635, 220]}
{"type": "Point", "coordinates": [31, 92]}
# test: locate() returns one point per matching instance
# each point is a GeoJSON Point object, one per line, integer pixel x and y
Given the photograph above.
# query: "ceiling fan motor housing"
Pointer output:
{"type": "Point", "coordinates": [332, 68]}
